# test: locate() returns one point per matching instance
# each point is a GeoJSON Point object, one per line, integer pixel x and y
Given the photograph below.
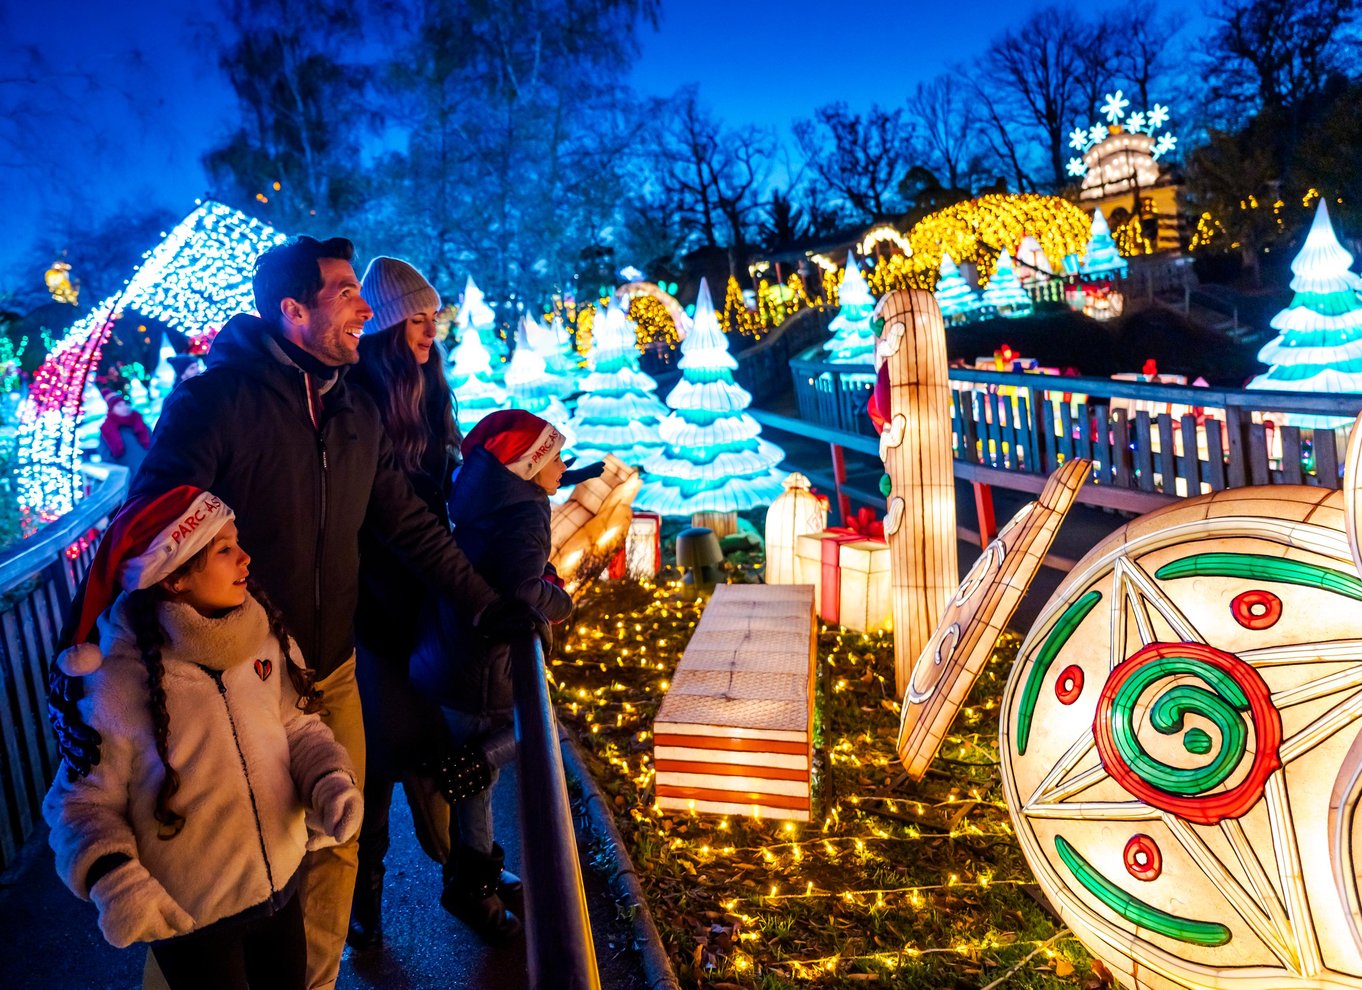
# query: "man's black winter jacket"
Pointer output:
{"type": "Point", "coordinates": [242, 430]}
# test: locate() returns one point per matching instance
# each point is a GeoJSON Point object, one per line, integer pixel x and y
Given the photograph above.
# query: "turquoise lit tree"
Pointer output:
{"type": "Point", "coordinates": [476, 316]}
{"type": "Point", "coordinates": [1318, 348]}
{"type": "Point", "coordinates": [553, 343]}
{"type": "Point", "coordinates": [715, 459]}
{"type": "Point", "coordinates": [1004, 291]}
{"type": "Point", "coordinates": [957, 299]}
{"type": "Point", "coordinates": [476, 392]}
{"type": "Point", "coordinates": [529, 385]}
{"type": "Point", "coordinates": [1101, 256]}
{"type": "Point", "coordinates": [853, 341]}
{"type": "Point", "coordinates": [618, 411]}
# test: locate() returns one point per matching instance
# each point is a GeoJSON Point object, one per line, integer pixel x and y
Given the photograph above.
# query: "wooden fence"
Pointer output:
{"type": "Point", "coordinates": [37, 581]}
{"type": "Point", "coordinates": [1149, 443]}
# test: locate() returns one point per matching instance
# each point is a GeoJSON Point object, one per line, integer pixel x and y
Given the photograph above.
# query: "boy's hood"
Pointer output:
{"type": "Point", "coordinates": [484, 485]}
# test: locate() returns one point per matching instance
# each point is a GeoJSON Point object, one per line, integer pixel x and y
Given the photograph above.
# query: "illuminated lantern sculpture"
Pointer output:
{"type": "Point", "coordinates": [794, 513]}
{"type": "Point", "coordinates": [852, 339]}
{"type": "Point", "coordinates": [915, 446]}
{"type": "Point", "coordinates": [957, 299]}
{"type": "Point", "coordinates": [554, 345]}
{"type": "Point", "coordinates": [1032, 263]}
{"type": "Point", "coordinates": [1319, 343]}
{"type": "Point", "coordinates": [734, 734]}
{"type": "Point", "coordinates": [476, 392]}
{"type": "Point", "coordinates": [529, 385]}
{"type": "Point", "coordinates": [588, 529]}
{"type": "Point", "coordinates": [1005, 292]}
{"type": "Point", "coordinates": [475, 316]}
{"type": "Point", "coordinates": [978, 613]}
{"type": "Point", "coordinates": [1180, 744]}
{"type": "Point", "coordinates": [619, 411]}
{"type": "Point", "coordinates": [1101, 256]}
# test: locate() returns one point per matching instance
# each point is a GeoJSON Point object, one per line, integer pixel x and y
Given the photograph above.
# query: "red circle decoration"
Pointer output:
{"type": "Point", "coordinates": [1070, 684]}
{"type": "Point", "coordinates": [1256, 609]}
{"type": "Point", "coordinates": [1143, 859]}
{"type": "Point", "coordinates": [1213, 806]}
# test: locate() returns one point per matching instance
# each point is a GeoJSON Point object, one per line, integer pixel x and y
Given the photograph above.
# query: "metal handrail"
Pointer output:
{"type": "Point", "coordinates": [558, 944]}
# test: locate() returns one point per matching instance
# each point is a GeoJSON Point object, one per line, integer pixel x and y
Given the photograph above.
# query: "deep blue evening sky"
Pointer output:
{"type": "Point", "coordinates": [166, 102]}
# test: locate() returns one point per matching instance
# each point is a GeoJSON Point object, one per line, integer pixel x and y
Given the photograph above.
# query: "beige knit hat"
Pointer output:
{"type": "Point", "coordinates": [395, 290]}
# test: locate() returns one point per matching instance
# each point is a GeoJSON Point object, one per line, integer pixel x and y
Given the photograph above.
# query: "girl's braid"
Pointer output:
{"type": "Point", "coordinates": [142, 607]}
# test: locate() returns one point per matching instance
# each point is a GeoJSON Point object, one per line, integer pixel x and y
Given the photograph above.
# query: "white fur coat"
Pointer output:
{"type": "Point", "coordinates": [247, 759]}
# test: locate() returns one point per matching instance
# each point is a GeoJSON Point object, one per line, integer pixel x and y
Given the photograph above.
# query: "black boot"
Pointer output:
{"type": "Point", "coordinates": [508, 884]}
{"type": "Point", "coordinates": [366, 909]}
{"type": "Point", "coordinates": [470, 895]}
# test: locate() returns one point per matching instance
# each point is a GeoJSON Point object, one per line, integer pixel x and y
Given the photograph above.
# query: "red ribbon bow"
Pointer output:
{"type": "Point", "coordinates": [862, 524]}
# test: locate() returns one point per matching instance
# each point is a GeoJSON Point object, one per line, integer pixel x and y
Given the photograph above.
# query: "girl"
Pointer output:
{"type": "Point", "coordinates": [500, 509]}
{"type": "Point", "coordinates": [214, 768]}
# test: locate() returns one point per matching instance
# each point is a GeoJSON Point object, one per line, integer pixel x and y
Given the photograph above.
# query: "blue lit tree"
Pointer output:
{"type": "Point", "coordinates": [1101, 256]}
{"type": "Point", "coordinates": [619, 411]}
{"type": "Point", "coordinates": [1004, 291]}
{"type": "Point", "coordinates": [957, 299]}
{"type": "Point", "coordinates": [715, 459]}
{"type": "Point", "coordinates": [562, 365]}
{"type": "Point", "coordinates": [530, 386]}
{"type": "Point", "coordinates": [852, 340]}
{"type": "Point", "coordinates": [476, 391]}
{"type": "Point", "coordinates": [475, 316]}
{"type": "Point", "coordinates": [1318, 348]}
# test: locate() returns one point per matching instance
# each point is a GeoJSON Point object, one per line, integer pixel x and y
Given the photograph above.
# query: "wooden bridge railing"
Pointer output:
{"type": "Point", "coordinates": [1149, 443]}
{"type": "Point", "coordinates": [37, 580]}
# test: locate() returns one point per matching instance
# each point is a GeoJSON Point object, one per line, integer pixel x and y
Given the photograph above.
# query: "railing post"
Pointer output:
{"type": "Point", "coordinates": [839, 479]}
{"type": "Point", "coordinates": [558, 945]}
{"type": "Point", "coordinates": [983, 507]}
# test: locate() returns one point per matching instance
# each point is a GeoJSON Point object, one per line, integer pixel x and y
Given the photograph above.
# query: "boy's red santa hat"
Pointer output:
{"type": "Point", "coordinates": [148, 539]}
{"type": "Point", "coordinates": [518, 439]}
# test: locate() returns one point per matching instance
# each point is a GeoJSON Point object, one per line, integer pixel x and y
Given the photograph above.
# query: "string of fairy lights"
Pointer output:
{"type": "Point", "coordinates": [754, 875]}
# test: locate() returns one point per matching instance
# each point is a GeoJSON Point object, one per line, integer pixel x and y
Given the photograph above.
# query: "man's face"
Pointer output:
{"type": "Point", "coordinates": [329, 330]}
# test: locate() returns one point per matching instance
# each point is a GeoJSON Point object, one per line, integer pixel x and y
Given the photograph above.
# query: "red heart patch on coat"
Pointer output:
{"type": "Point", "coordinates": [263, 668]}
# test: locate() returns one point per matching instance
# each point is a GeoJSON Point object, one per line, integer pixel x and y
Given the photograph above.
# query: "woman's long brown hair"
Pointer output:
{"type": "Point", "coordinates": [413, 399]}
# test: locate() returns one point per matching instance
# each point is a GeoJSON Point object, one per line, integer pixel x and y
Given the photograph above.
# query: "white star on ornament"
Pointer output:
{"type": "Point", "coordinates": [1076, 167]}
{"type": "Point", "coordinates": [1165, 144]}
{"type": "Point", "coordinates": [1078, 139]}
{"type": "Point", "coordinates": [1158, 116]}
{"type": "Point", "coordinates": [1097, 133]}
{"type": "Point", "coordinates": [1115, 107]}
{"type": "Point", "coordinates": [1135, 122]}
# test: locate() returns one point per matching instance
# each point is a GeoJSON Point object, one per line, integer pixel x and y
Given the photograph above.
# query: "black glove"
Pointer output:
{"type": "Point", "coordinates": [576, 475]}
{"type": "Point", "coordinates": [77, 743]}
{"type": "Point", "coordinates": [507, 618]}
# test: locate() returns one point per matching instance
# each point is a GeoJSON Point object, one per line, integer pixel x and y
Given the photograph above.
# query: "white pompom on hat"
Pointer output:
{"type": "Point", "coordinates": [395, 290]}
{"type": "Point", "coordinates": [147, 540]}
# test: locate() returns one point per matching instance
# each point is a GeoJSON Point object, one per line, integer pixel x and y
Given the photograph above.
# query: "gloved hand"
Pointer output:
{"type": "Point", "coordinates": [339, 805]}
{"type": "Point", "coordinates": [576, 475]}
{"type": "Point", "coordinates": [77, 742]}
{"type": "Point", "coordinates": [134, 907]}
{"type": "Point", "coordinates": [507, 618]}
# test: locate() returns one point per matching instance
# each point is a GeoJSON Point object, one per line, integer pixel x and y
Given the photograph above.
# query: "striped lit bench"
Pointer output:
{"type": "Point", "coordinates": [734, 735]}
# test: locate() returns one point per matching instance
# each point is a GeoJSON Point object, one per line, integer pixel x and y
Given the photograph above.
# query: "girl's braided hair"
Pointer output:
{"type": "Point", "coordinates": [143, 609]}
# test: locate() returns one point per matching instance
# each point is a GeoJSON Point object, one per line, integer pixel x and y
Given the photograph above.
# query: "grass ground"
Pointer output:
{"type": "Point", "coordinates": [892, 883]}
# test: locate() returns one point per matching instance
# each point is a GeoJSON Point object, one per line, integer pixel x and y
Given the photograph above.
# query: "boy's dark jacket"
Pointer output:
{"type": "Point", "coordinates": [242, 430]}
{"type": "Point", "coordinates": [502, 524]}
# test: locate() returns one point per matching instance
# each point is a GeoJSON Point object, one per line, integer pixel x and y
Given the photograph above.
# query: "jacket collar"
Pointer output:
{"type": "Point", "coordinates": [249, 343]}
{"type": "Point", "coordinates": [485, 485]}
{"type": "Point", "coordinates": [215, 643]}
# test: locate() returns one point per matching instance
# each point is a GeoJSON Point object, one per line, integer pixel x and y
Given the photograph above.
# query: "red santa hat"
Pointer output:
{"type": "Point", "coordinates": [518, 439]}
{"type": "Point", "coordinates": [148, 539]}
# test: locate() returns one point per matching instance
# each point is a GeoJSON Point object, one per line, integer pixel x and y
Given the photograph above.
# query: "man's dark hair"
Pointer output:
{"type": "Point", "coordinates": [291, 271]}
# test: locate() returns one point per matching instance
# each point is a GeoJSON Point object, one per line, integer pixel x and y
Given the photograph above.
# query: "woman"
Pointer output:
{"type": "Point", "coordinates": [401, 368]}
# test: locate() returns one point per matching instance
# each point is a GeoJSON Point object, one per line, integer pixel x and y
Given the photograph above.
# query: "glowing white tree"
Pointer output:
{"type": "Point", "coordinates": [852, 340]}
{"type": "Point", "coordinates": [618, 412]}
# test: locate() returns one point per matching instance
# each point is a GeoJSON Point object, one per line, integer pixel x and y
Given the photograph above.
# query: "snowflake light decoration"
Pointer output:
{"type": "Point", "coordinates": [1139, 122]}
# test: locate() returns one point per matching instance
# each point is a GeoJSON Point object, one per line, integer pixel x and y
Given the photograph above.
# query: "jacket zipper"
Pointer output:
{"type": "Point", "coordinates": [246, 773]}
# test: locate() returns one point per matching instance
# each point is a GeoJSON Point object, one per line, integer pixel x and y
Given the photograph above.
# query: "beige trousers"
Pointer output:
{"type": "Point", "coordinates": [326, 880]}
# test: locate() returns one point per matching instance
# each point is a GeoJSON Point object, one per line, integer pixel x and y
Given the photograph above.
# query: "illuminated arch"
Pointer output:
{"type": "Point", "coordinates": [978, 229]}
{"type": "Point", "coordinates": [651, 289]}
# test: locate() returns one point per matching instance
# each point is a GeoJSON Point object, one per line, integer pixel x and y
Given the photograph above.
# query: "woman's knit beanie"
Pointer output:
{"type": "Point", "coordinates": [395, 290]}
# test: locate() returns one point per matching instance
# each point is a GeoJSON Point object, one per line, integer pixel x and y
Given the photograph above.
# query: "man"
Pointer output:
{"type": "Point", "coordinates": [272, 428]}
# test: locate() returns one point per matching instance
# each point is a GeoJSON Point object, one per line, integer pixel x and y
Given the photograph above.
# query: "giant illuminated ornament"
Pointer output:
{"type": "Point", "coordinates": [618, 411]}
{"type": "Point", "coordinates": [714, 459]}
{"type": "Point", "coordinates": [194, 280]}
{"type": "Point", "coordinates": [1181, 744]}
{"type": "Point", "coordinates": [1122, 154]}
{"type": "Point", "coordinates": [1319, 343]}
{"type": "Point", "coordinates": [976, 616]}
{"type": "Point", "coordinates": [915, 445]}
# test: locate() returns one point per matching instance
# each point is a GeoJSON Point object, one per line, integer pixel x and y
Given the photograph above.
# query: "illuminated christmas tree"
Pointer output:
{"type": "Point", "coordinates": [531, 387]}
{"type": "Point", "coordinates": [852, 340]}
{"type": "Point", "coordinates": [1004, 291]}
{"type": "Point", "coordinates": [619, 411]}
{"type": "Point", "coordinates": [1319, 345]}
{"type": "Point", "coordinates": [715, 459]}
{"type": "Point", "coordinates": [476, 391]}
{"type": "Point", "coordinates": [959, 302]}
{"type": "Point", "coordinates": [737, 317]}
{"type": "Point", "coordinates": [475, 315]}
{"type": "Point", "coordinates": [554, 345]}
{"type": "Point", "coordinates": [1101, 256]}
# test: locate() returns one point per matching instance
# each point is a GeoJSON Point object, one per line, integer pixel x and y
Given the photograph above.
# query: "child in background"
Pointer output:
{"type": "Point", "coordinates": [512, 463]}
{"type": "Point", "coordinates": [189, 831]}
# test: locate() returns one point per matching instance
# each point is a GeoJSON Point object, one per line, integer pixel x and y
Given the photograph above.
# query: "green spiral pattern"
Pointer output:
{"type": "Point", "coordinates": [1224, 706]}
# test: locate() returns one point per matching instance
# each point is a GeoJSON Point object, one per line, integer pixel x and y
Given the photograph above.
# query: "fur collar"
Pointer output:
{"type": "Point", "coordinates": [215, 643]}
